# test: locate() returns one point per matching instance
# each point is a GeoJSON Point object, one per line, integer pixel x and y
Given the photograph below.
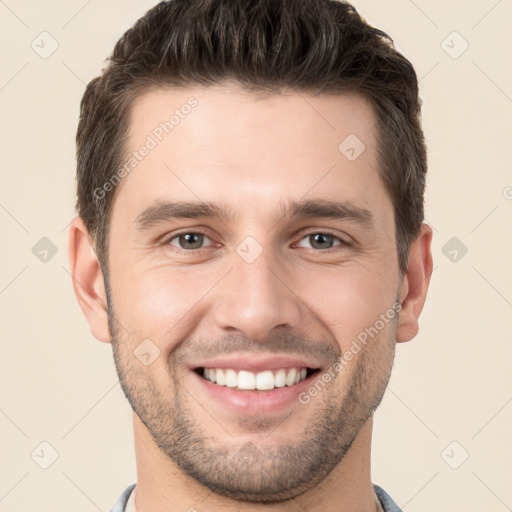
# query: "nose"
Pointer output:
{"type": "Point", "coordinates": [256, 297]}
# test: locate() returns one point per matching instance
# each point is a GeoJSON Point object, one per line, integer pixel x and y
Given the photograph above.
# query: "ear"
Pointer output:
{"type": "Point", "coordinates": [88, 280]}
{"type": "Point", "coordinates": [414, 286]}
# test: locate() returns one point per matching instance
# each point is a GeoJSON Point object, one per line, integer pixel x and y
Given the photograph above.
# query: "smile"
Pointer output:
{"type": "Point", "coordinates": [264, 381]}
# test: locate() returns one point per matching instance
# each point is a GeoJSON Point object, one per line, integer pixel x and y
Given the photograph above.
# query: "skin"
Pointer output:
{"type": "Point", "coordinates": [299, 297]}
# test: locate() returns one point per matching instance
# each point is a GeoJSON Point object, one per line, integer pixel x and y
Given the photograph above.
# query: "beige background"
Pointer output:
{"type": "Point", "coordinates": [452, 383]}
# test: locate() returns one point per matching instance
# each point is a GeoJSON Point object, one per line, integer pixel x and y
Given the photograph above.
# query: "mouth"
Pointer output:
{"type": "Point", "coordinates": [266, 380]}
{"type": "Point", "coordinates": [252, 385]}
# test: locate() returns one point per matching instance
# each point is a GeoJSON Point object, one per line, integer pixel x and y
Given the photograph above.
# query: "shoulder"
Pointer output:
{"type": "Point", "coordinates": [386, 500]}
{"type": "Point", "coordinates": [120, 504]}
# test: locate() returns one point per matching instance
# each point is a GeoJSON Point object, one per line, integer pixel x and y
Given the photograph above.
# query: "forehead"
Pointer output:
{"type": "Point", "coordinates": [243, 148]}
{"type": "Point", "coordinates": [213, 113]}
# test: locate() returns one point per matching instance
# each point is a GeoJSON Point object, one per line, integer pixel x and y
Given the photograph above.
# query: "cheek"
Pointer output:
{"type": "Point", "coordinates": [349, 301]}
{"type": "Point", "coordinates": [158, 303]}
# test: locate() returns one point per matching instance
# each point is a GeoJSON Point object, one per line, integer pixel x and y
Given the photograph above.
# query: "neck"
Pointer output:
{"type": "Point", "coordinates": [162, 486]}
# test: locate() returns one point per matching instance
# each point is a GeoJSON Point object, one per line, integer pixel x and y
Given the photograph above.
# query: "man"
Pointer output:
{"type": "Point", "coordinates": [224, 144]}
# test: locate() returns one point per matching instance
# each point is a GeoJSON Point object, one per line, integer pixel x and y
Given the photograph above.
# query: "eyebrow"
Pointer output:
{"type": "Point", "coordinates": [160, 212]}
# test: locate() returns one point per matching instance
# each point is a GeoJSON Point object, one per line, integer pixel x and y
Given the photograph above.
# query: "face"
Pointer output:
{"type": "Point", "coordinates": [247, 248]}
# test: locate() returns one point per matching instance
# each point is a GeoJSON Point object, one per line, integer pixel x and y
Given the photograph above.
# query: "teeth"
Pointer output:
{"type": "Point", "coordinates": [231, 378]}
{"type": "Point", "coordinates": [290, 377]}
{"type": "Point", "coordinates": [246, 380]}
{"type": "Point", "coordinates": [263, 381]}
{"type": "Point", "coordinates": [280, 379]}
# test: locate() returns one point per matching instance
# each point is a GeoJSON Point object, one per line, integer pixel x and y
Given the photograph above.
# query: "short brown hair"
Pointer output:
{"type": "Point", "coordinates": [316, 46]}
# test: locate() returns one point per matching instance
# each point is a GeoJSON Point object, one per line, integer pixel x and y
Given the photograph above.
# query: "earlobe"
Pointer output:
{"type": "Point", "coordinates": [414, 287]}
{"type": "Point", "coordinates": [88, 281]}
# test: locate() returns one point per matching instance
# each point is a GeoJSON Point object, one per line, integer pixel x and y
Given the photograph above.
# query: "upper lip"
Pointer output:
{"type": "Point", "coordinates": [255, 364]}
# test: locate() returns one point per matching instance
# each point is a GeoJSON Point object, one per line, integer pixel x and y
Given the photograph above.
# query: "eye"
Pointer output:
{"type": "Point", "coordinates": [323, 240]}
{"type": "Point", "coordinates": [189, 240]}
{"type": "Point", "coordinates": [194, 240]}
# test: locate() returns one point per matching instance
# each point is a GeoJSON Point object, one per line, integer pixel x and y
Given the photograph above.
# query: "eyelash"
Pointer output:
{"type": "Point", "coordinates": [167, 241]}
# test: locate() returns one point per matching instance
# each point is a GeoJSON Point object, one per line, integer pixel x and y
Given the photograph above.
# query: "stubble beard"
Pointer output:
{"type": "Point", "coordinates": [259, 470]}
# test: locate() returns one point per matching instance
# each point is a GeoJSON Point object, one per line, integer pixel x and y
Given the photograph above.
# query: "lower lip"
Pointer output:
{"type": "Point", "coordinates": [253, 402]}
